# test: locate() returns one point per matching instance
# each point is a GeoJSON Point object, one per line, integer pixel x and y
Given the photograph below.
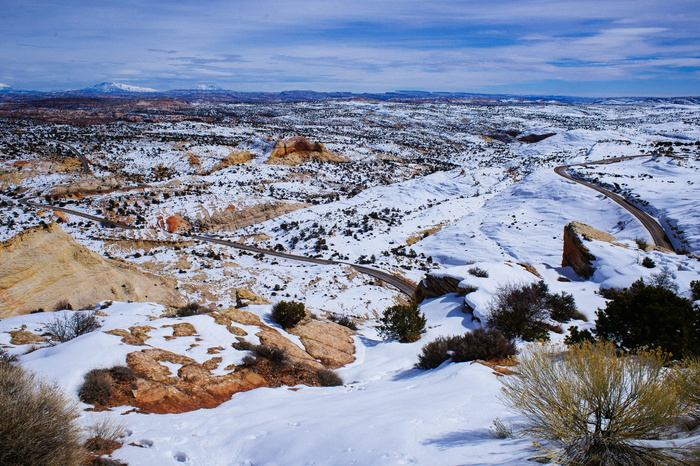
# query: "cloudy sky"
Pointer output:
{"type": "Point", "coordinates": [582, 47]}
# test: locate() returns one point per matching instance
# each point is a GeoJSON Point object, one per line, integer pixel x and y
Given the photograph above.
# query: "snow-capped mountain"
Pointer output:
{"type": "Point", "coordinates": [4, 87]}
{"type": "Point", "coordinates": [116, 88]}
{"type": "Point", "coordinates": [207, 87]}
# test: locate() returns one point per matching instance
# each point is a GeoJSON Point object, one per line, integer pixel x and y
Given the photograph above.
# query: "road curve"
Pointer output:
{"type": "Point", "coordinates": [657, 233]}
{"type": "Point", "coordinates": [400, 284]}
{"type": "Point", "coordinates": [86, 164]}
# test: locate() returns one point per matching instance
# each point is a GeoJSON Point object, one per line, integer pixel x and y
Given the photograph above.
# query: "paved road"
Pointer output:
{"type": "Point", "coordinates": [657, 233]}
{"type": "Point", "coordinates": [86, 164]}
{"type": "Point", "coordinates": [400, 284]}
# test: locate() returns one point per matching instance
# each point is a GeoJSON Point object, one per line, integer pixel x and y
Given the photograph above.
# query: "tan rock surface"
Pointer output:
{"type": "Point", "coordinates": [44, 265]}
{"type": "Point", "coordinates": [326, 341]}
{"type": "Point", "coordinates": [183, 329]}
{"type": "Point", "coordinates": [576, 255]}
{"type": "Point", "coordinates": [298, 150]}
{"type": "Point", "coordinates": [236, 217]}
{"type": "Point", "coordinates": [248, 298]}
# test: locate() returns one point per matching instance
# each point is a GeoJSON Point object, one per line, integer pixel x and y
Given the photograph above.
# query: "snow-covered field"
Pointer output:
{"type": "Point", "coordinates": [493, 206]}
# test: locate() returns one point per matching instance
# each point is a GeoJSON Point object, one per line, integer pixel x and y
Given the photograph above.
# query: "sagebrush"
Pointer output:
{"type": "Point", "coordinates": [38, 424]}
{"type": "Point", "coordinates": [596, 404]}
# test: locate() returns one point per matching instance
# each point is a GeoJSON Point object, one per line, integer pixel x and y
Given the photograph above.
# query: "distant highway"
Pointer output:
{"type": "Point", "coordinates": [657, 233]}
{"type": "Point", "coordinates": [87, 171]}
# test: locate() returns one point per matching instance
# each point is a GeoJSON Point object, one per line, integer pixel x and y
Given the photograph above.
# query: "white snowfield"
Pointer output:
{"type": "Point", "coordinates": [388, 412]}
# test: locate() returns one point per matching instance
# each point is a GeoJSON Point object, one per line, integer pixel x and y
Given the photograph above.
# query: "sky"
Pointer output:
{"type": "Point", "coordinates": [543, 47]}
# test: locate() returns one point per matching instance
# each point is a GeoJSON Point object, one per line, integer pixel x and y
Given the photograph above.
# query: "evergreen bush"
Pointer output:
{"type": "Point", "coordinates": [288, 313]}
{"type": "Point", "coordinates": [485, 344]}
{"type": "Point", "coordinates": [403, 322]}
{"type": "Point", "coordinates": [650, 316]}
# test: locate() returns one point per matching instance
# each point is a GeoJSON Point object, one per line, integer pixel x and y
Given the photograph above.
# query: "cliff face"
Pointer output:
{"type": "Point", "coordinates": [433, 286]}
{"type": "Point", "coordinates": [44, 265]}
{"type": "Point", "coordinates": [576, 255]}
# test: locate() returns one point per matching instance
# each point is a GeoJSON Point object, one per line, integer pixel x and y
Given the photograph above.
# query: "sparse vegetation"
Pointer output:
{"type": "Point", "coordinates": [191, 309]}
{"type": "Point", "coordinates": [66, 326]}
{"type": "Point", "coordinates": [594, 403]}
{"type": "Point", "coordinates": [526, 311]}
{"type": "Point", "coordinates": [648, 262]}
{"type": "Point", "coordinates": [97, 388]}
{"type": "Point", "coordinates": [104, 436]}
{"type": "Point", "coordinates": [478, 272]}
{"type": "Point", "coordinates": [695, 290]}
{"type": "Point", "coordinates": [485, 344]}
{"type": "Point", "coordinates": [38, 422]}
{"type": "Point", "coordinates": [344, 320]}
{"type": "Point", "coordinates": [328, 378]}
{"type": "Point", "coordinates": [403, 322]}
{"type": "Point", "coordinates": [650, 316]}
{"type": "Point", "coordinates": [288, 313]}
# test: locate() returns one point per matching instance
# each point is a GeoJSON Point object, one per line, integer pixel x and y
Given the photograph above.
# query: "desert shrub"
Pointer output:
{"type": "Point", "coordinates": [402, 322]}
{"type": "Point", "coordinates": [7, 358]}
{"type": "Point", "coordinates": [104, 436]}
{"type": "Point", "coordinates": [122, 374]}
{"type": "Point", "coordinates": [97, 388]}
{"type": "Point", "coordinates": [648, 262]}
{"type": "Point", "coordinates": [594, 403]}
{"type": "Point", "coordinates": [191, 309]}
{"type": "Point", "coordinates": [478, 272]}
{"type": "Point", "coordinates": [342, 319]}
{"type": "Point", "coordinates": [38, 422]}
{"type": "Point", "coordinates": [63, 305]}
{"type": "Point", "coordinates": [524, 311]}
{"type": "Point", "coordinates": [486, 344]}
{"type": "Point", "coordinates": [465, 290]}
{"type": "Point", "coordinates": [68, 325]}
{"type": "Point", "coordinates": [695, 289]}
{"type": "Point", "coordinates": [328, 378]}
{"type": "Point", "coordinates": [650, 316]}
{"type": "Point", "coordinates": [577, 336]}
{"type": "Point", "coordinates": [664, 279]}
{"type": "Point", "coordinates": [288, 313]}
{"type": "Point", "coordinates": [641, 244]}
{"type": "Point", "coordinates": [276, 356]}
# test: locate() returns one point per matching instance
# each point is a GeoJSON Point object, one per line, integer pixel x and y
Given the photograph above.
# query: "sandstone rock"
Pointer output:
{"type": "Point", "coordinates": [183, 329]}
{"type": "Point", "coordinates": [433, 286]}
{"type": "Point", "coordinates": [44, 265]}
{"type": "Point", "coordinates": [136, 335]}
{"type": "Point", "coordinates": [24, 337]}
{"type": "Point", "coordinates": [241, 316]}
{"type": "Point", "coordinates": [271, 337]}
{"type": "Point", "coordinates": [326, 341]}
{"type": "Point", "coordinates": [236, 217]}
{"type": "Point", "coordinates": [247, 298]}
{"type": "Point", "coordinates": [298, 150]}
{"type": "Point", "coordinates": [576, 255]}
{"type": "Point", "coordinates": [175, 223]}
{"type": "Point", "coordinates": [226, 321]}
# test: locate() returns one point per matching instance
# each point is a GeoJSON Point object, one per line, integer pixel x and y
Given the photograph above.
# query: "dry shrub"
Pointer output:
{"type": "Point", "coordinates": [97, 388]}
{"type": "Point", "coordinates": [191, 309]}
{"type": "Point", "coordinates": [486, 344]}
{"type": "Point", "coordinates": [342, 319]}
{"type": "Point", "coordinates": [68, 325]}
{"type": "Point", "coordinates": [38, 422]}
{"type": "Point", "coordinates": [328, 378]}
{"type": "Point", "coordinates": [594, 403]}
{"type": "Point", "coordinates": [104, 436]}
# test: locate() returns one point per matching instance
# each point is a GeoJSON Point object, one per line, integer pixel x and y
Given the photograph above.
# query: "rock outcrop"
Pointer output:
{"type": "Point", "coordinates": [44, 265]}
{"type": "Point", "coordinates": [576, 255]}
{"type": "Point", "coordinates": [235, 217]}
{"type": "Point", "coordinates": [299, 150]}
{"type": "Point", "coordinates": [327, 342]}
{"type": "Point", "coordinates": [433, 286]}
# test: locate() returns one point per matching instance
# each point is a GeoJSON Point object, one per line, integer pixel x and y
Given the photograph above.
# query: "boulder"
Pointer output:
{"type": "Point", "coordinates": [176, 223]}
{"type": "Point", "coordinates": [326, 341]}
{"type": "Point", "coordinates": [248, 298]}
{"type": "Point", "coordinates": [576, 255]}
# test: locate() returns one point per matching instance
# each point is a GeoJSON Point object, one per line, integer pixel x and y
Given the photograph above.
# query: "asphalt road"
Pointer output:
{"type": "Point", "coordinates": [657, 233]}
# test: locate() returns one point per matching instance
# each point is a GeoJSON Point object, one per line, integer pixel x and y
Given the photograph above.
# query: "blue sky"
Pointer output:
{"type": "Point", "coordinates": [584, 47]}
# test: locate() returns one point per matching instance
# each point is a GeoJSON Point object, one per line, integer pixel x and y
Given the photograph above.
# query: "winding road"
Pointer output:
{"type": "Point", "coordinates": [399, 283]}
{"type": "Point", "coordinates": [657, 233]}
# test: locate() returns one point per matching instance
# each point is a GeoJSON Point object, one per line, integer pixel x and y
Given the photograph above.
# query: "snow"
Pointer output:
{"type": "Point", "coordinates": [497, 208]}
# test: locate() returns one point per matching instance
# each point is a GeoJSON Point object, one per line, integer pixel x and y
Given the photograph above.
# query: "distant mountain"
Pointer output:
{"type": "Point", "coordinates": [5, 88]}
{"type": "Point", "coordinates": [207, 87]}
{"type": "Point", "coordinates": [116, 88]}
